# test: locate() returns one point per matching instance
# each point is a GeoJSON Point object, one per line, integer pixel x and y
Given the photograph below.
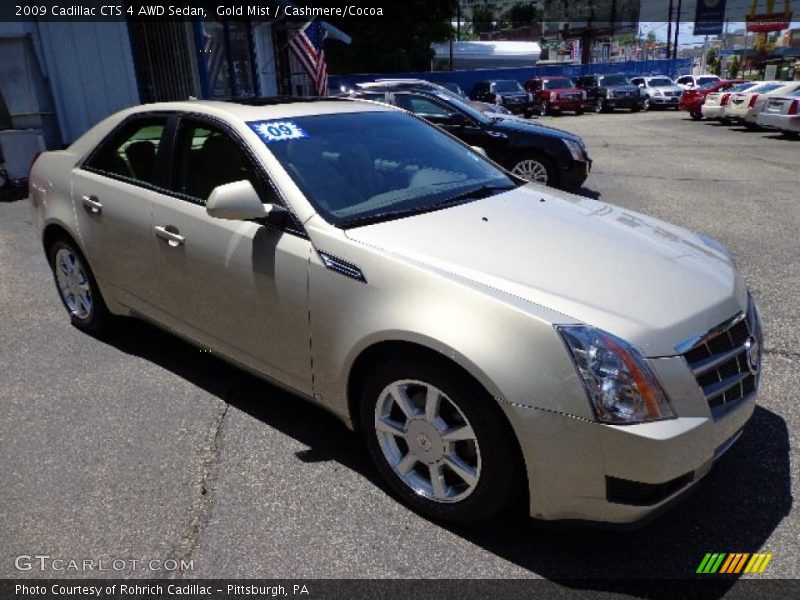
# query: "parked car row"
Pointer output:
{"type": "Point", "coordinates": [754, 104]}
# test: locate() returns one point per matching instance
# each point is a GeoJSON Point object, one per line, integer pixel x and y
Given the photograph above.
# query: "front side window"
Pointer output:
{"type": "Point", "coordinates": [207, 157]}
{"type": "Point", "coordinates": [506, 86]}
{"type": "Point", "coordinates": [615, 80]}
{"type": "Point", "coordinates": [356, 168]}
{"type": "Point", "coordinates": [131, 153]}
{"type": "Point", "coordinates": [422, 106]}
{"type": "Point", "coordinates": [701, 81]}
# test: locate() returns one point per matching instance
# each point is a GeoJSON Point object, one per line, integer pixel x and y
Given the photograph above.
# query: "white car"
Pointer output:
{"type": "Point", "coordinates": [745, 106]}
{"type": "Point", "coordinates": [690, 82]}
{"type": "Point", "coordinates": [715, 103]}
{"type": "Point", "coordinates": [782, 113]}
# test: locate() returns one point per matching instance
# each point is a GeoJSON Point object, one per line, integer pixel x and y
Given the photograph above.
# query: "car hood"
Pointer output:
{"type": "Point", "coordinates": [524, 126]}
{"type": "Point", "coordinates": [644, 280]}
{"type": "Point", "coordinates": [667, 88]}
{"type": "Point", "coordinates": [566, 90]}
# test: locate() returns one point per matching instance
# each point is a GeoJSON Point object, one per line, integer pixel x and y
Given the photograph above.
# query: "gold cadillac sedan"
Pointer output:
{"type": "Point", "coordinates": [493, 340]}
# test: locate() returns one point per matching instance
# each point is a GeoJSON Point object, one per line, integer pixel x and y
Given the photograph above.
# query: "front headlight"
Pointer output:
{"type": "Point", "coordinates": [620, 385]}
{"type": "Point", "coordinates": [575, 149]}
{"type": "Point", "coordinates": [553, 96]}
{"type": "Point", "coordinates": [610, 94]}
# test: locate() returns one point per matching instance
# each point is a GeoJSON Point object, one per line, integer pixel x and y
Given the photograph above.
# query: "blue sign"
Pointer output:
{"type": "Point", "coordinates": [708, 17]}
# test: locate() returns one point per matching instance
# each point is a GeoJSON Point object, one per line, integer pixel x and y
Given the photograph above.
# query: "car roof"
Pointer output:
{"type": "Point", "coordinates": [262, 109]}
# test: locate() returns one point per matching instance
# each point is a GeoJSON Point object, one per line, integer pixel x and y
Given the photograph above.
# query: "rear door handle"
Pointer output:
{"type": "Point", "coordinates": [92, 204]}
{"type": "Point", "coordinates": [173, 238]}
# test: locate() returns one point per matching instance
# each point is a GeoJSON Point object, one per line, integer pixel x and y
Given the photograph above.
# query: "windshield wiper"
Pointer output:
{"type": "Point", "coordinates": [475, 193]}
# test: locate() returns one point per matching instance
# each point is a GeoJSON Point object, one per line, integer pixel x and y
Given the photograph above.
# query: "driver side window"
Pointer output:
{"type": "Point", "coordinates": [207, 157]}
{"type": "Point", "coordinates": [423, 107]}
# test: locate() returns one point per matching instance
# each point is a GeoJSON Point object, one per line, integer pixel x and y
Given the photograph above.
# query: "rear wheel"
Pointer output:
{"type": "Point", "coordinates": [77, 287]}
{"type": "Point", "coordinates": [438, 441]}
{"type": "Point", "coordinates": [534, 167]}
{"type": "Point", "coordinates": [696, 115]}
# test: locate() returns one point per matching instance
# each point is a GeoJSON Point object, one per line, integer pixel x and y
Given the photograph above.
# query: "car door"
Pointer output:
{"type": "Point", "coordinates": [241, 287]}
{"type": "Point", "coordinates": [112, 194]}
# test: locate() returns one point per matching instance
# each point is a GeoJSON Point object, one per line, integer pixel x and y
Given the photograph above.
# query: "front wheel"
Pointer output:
{"type": "Point", "coordinates": [599, 105]}
{"type": "Point", "coordinates": [534, 167]}
{"type": "Point", "coordinates": [696, 115]}
{"type": "Point", "coordinates": [438, 441]}
{"type": "Point", "coordinates": [646, 104]}
{"type": "Point", "coordinates": [579, 112]}
{"type": "Point", "coordinates": [543, 109]}
{"type": "Point", "coordinates": [77, 287]}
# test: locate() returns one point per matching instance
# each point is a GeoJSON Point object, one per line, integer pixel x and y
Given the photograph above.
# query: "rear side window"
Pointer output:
{"type": "Point", "coordinates": [422, 106]}
{"type": "Point", "coordinates": [131, 152]}
{"type": "Point", "coordinates": [207, 157]}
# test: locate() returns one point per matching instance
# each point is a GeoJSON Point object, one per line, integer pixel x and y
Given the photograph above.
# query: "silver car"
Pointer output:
{"type": "Point", "coordinates": [661, 91]}
{"type": "Point", "coordinates": [493, 340]}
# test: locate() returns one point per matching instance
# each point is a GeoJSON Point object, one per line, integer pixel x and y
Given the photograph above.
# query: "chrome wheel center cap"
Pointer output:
{"type": "Point", "coordinates": [424, 441]}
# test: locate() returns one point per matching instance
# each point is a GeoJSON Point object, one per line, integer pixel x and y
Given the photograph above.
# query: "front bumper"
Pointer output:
{"type": "Point", "coordinates": [623, 474]}
{"type": "Point", "coordinates": [573, 173]}
{"type": "Point", "coordinates": [664, 100]}
{"type": "Point", "coordinates": [577, 104]}
{"type": "Point", "coordinates": [625, 102]}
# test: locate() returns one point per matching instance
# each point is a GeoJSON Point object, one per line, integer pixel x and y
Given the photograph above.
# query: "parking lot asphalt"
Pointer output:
{"type": "Point", "coordinates": [135, 445]}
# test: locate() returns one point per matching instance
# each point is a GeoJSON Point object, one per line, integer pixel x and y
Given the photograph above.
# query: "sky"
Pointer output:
{"type": "Point", "coordinates": [685, 37]}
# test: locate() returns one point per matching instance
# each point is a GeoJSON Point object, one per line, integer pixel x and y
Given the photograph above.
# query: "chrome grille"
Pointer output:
{"type": "Point", "coordinates": [726, 361]}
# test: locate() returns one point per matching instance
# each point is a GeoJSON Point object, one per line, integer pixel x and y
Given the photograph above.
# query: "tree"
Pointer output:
{"type": "Point", "coordinates": [626, 39]}
{"type": "Point", "coordinates": [651, 38]}
{"type": "Point", "coordinates": [733, 68]}
{"type": "Point", "coordinates": [482, 19]}
{"type": "Point", "coordinates": [521, 14]}
{"type": "Point", "coordinates": [712, 63]}
{"type": "Point", "coordinates": [393, 43]}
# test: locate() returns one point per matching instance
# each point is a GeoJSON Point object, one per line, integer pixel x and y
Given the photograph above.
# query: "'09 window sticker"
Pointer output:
{"type": "Point", "coordinates": [277, 131]}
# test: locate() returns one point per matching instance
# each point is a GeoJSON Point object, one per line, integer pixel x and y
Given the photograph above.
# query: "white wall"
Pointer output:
{"type": "Point", "coordinates": [90, 69]}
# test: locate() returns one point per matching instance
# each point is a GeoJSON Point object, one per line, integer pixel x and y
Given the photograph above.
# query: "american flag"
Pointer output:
{"type": "Point", "coordinates": [307, 45]}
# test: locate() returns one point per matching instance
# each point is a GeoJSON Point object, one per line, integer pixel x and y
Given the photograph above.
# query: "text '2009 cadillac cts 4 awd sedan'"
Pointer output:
{"type": "Point", "coordinates": [491, 339]}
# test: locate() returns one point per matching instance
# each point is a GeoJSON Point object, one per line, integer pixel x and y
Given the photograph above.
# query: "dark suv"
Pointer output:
{"type": "Point", "coordinates": [530, 151]}
{"type": "Point", "coordinates": [507, 92]}
{"type": "Point", "coordinates": [607, 92]}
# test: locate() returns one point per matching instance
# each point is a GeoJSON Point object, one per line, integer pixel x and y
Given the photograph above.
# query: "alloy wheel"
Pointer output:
{"type": "Point", "coordinates": [427, 441]}
{"type": "Point", "coordinates": [531, 169]}
{"type": "Point", "coordinates": [73, 283]}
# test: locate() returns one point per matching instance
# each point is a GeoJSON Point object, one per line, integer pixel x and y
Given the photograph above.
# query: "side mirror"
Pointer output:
{"type": "Point", "coordinates": [239, 201]}
{"type": "Point", "coordinates": [480, 151]}
{"type": "Point", "coordinates": [641, 85]}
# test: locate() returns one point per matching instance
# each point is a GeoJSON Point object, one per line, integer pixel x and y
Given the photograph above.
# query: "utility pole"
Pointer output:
{"type": "Point", "coordinates": [669, 28]}
{"type": "Point", "coordinates": [677, 31]}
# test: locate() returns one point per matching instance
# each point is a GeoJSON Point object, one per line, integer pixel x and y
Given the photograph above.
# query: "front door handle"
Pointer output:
{"type": "Point", "coordinates": [173, 238]}
{"type": "Point", "coordinates": [92, 204]}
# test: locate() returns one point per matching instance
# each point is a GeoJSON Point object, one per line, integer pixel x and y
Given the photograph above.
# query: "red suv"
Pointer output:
{"type": "Point", "coordinates": [555, 94]}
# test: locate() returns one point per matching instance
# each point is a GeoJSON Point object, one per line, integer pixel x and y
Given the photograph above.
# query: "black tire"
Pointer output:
{"type": "Point", "coordinates": [677, 107]}
{"type": "Point", "coordinates": [499, 474]}
{"type": "Point", "coordinates": [635, 108]}
{"type": "Point", "coordinates": [600, 106]}
{"type": "Point", "coordinates": [97, 315]}
{"type": "Point", "coordinates": [646, 105]}
{"type": "Point", "coordinates": [579, 112]}
{"type": "Point", "coordinates": [696, 115]}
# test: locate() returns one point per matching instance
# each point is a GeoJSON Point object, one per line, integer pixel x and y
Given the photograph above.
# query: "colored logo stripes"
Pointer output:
{"type": "Point", "coordinates": [736, 562]}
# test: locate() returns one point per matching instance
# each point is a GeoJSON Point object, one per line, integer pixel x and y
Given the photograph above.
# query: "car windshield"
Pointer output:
{"type": "Point", "coordinates": [615, 80]}
{"type": "Point", "coordinates": [661, 82]}
{"type": "Point", "coordinates": [366, 167]}
{"type": "Point", "coordinates": [507, 85]}
{"type": "Point", "coordinates": [555, 84]}
{"type": "Point", "coordinates": [701, 81]}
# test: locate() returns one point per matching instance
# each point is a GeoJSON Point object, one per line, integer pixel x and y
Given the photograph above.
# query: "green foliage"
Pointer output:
{"type": "Point", "coordinates": [521, 14]}
{"type": "Point", "coordinates": [393, 43]}
{"type": "Point", "coordinates": [626, 39]}
{"type": "Point", "coordinates": [482, 19]}
{"type": "Point", "coordinates": [733, 67]}
{"type": "Point", "coordinates": [651, 37]}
